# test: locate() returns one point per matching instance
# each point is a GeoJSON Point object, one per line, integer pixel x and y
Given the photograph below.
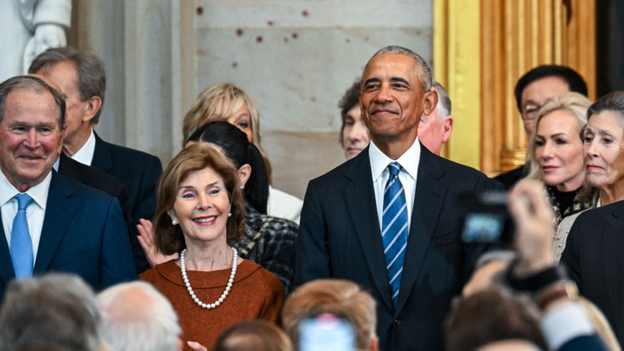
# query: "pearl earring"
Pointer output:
{"type": "Point", "coordinates": [230, 214]}
{"type": "Point", "coordinates": [174, 221]}
{"type": "Point", "coordinates": [242, 187]}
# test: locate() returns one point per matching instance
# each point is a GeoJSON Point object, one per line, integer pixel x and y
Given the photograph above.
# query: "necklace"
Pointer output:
{"type": "Point", "coordinates": [209, 306]}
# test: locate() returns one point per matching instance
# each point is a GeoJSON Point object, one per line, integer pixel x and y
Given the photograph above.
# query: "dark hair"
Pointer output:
{"type": "Point", "coordinates": [89, 69]}
{"type": "Point", "coordinates": [253, 335]}
{"type": "Point", "coordinates": [33, 84]}
{"type": "Point", "coordinates": [169, 238]}
{"type": "Point", "coordinates": [240, 151]}
{"type": "Point", "coordinates": [350, 99]}
{"type": "Point", "coordinates": [492, 315]}
{"type": "Point", "coordinates": [575, 81]}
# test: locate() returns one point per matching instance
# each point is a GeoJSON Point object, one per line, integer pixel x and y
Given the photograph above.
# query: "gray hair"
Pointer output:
{"type": "Point", "coordinates": [424, 73]}
{"type": "Point", "coordinates": [34, 84]}
{"type": "Point", "coordinates": [444, 101]}
{"type": "Point", "coordinates": [54, 311]}
{"type": "Point", "coordinates": [138, 318]}
{"type": "Point", "coordinates": [89, 68]}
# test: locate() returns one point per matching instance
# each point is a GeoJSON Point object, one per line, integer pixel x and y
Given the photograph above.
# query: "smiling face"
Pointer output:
{"type": "Point", "coordinates": [30, 138]}
{"type": "Point", "coordinates": [558, 151]}
{"type": "Point", "coordinates": [201, 207]}
{"type": "Point", "coordinates": [391, 99]}
{"type": "Point", "coordinates": [355, 133]}
{"type": "Point", "coordinates": [604, 150]}
{"type": "Point", "coordinates": [242, 120]}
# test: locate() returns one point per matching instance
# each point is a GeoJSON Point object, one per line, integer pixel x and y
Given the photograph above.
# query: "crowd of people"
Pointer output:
{"type": "Point", "coordinates": [105, 250]}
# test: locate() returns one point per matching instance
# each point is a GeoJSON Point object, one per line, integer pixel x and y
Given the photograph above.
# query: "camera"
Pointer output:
{"type": "Point", "coordinates": [483, 217]}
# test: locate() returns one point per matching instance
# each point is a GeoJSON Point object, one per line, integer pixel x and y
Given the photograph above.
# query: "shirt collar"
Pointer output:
{"type": "Point", "coordinates": [85, 154]}
{"type": "Point", "coordinates": [380, 161]}
{"type": "Point", "coordinates": [39, 192]}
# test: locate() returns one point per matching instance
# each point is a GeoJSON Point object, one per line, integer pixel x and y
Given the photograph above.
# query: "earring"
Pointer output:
{"type": "Point", "coordinates": [174, 221]}
{"type": "Point", "coordinates": [230, 214]}
{"type": "Point", "coordinates": [242, 187]}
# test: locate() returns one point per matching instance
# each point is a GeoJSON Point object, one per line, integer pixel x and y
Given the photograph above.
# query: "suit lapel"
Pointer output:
{"type": "Point", "coordinates": [7, 271]}
{"type": "Point", "coordinates": [58, 215]}
{"type": "Point", "coordinates": [67, 168]}
{"type": "Point", "coordinates": [101, 156]}
{"type": "Point", "coordinates": [359, 195]}
{"type": "Point", "coordinates": [613, 265]}
{"type": "Point", "coordinates": [428, 201]}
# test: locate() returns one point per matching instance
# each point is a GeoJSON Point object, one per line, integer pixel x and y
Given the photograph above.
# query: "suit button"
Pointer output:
{"type": "Point", "coordinates": [397, 322]}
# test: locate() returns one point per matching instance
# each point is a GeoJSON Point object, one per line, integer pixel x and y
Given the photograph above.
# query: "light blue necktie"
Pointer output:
{"type": "Point", "coordinates": [21, 244]}
{"type": "Point", "coordinates": [394, 232]}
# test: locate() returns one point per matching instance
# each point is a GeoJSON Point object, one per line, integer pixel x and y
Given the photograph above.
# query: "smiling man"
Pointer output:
{"type": "Point", "coordinates": [385, 219]}
{"type": "Point", "coordinates": [49, 221]}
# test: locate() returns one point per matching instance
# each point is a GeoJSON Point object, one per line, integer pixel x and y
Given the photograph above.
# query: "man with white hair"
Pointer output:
{"type": "Point", "coordinates": [435, 129]}
{"type": "Point", "coordinates": [139, 318]}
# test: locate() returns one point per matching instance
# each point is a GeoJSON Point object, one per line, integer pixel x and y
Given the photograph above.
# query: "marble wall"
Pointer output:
{"type": "Point", "coordinates": [295, 58]}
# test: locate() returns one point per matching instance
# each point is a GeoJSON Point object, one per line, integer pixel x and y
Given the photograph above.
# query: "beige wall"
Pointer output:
{"type": "Point", "coordinates": [295, 58]}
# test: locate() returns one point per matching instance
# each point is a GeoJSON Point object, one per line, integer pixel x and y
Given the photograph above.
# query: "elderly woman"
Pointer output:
{"type": "Point", "coordinates": [226, 102]}
{"type": "Point", "coordinates": [594, 254]}
{"type": "Point", "coordinates": [199, 215]}
{"type": "Point", "coordinates": [268, 241]}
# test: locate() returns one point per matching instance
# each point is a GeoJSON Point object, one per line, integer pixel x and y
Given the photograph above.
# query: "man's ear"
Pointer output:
{"type": "Point", "coordinates": [448, 128]}
{"type": "Point", "coordinates": [430, 101]}
{"type": "Point", "coordinates": [94, 104]}
{"type": "Point", "coordinates": [244, 172]}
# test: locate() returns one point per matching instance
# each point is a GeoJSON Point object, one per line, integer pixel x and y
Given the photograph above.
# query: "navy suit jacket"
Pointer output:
{"type": "Point", "coordinates": [340, 238]}
{"type": "Point", "coordinates": [84, 232]}
{"type": "Point", "coordinates": [139, 172]}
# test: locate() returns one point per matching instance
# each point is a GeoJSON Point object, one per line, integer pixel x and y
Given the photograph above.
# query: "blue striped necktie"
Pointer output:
{"type": "Point", "coordinates": [21, 243]}
{"type": "Point", "coordinates": [394, 232]}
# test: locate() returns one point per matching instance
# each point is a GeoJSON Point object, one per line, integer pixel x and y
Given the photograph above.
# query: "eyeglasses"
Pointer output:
{"type": "Point", "coordinates": [529, 111]}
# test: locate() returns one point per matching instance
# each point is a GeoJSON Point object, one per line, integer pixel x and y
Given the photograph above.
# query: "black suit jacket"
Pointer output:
{"type": "Point", "coordinates": [340, 238]}
{"type": "Point", "coordinates": [509, 179]}
{"type": "Point", "coordinates": [99, 180]}
{"type": "Point", "coordinates": [139, 172]}
{"type": "Point", "coordinates": [83, 232]}
{"type": "Point", "coordinates": [594, 258]}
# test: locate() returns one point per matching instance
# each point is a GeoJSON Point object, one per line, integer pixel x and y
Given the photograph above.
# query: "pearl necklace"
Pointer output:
{"type": "Point", "coordinates": [209, 306]}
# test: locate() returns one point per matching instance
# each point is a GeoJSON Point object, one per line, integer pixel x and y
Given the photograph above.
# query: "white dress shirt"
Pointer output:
{"type": "Point", "coordinates": [85, 154]}
{"type": "Point", "coordinates": [35, 212]}
{"type": "Point", "coordinates": [379, 169]}
{"type": "Point", "coordinates": [284, 205]}
{"type": "Point", "coordinates": [566, 323]}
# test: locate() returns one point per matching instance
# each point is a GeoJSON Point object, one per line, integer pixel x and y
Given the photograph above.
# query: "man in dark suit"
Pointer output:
{"type": "Point", "coordinates": [385, 219]}
{"type": "Point", "coordinates": [49, 221]}
{"type": "Point", "coordinates": [82, 78]}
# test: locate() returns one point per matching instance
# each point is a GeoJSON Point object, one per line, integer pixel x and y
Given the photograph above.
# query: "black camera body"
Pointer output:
{"type": "Point", "coordinates": [483, 218]}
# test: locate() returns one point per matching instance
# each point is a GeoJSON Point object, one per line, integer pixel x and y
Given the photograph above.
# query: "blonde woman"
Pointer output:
{"type": "Point", "coordinates": [555, 156]}
{"type": "Point", "coordinates": [227, 102]}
